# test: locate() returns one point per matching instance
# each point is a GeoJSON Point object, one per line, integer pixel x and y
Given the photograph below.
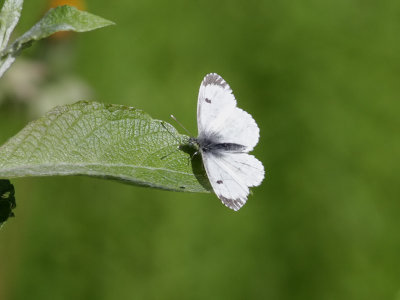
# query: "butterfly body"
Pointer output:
{"type": "Point", "coordinates": [207, 144]}
{"type": "Point", "coordinates": [226, 135]}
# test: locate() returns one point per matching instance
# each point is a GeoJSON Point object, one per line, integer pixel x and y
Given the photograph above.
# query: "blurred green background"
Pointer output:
{"type": "Point", "coordinates": [321, 78]}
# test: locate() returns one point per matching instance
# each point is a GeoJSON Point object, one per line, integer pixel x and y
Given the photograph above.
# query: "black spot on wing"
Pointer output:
{"type": "Point", "coordinates": [207, 100]}
{"type": "Point", "coordinates": [220, 182]}
{"type": "Point", "coordinates": [214, 78]}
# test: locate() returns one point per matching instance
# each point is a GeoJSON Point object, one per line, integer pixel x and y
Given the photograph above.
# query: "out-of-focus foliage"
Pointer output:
{"type": "Point", "coordinates": [60, 18]}
{"type": "Point", "coordinates": [9, 16]}
{"type": "Point", "coordinates": [7, 200]}
{"type": "Point", "coordinates": [321, 80]}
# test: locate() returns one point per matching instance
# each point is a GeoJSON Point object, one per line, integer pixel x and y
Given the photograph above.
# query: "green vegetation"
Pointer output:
{"type": "Point", "coordinates": [7, 200]}
{"type": "Point", "coordinates": [321, 80]}
{"type": "Point", "coordinates": [61, 18]}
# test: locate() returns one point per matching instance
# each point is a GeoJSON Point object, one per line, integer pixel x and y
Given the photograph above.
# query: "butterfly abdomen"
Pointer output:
{"type": "Point", "coordinates": [207, 145]}
{"type": "Point", "coordinates": [228, 147]}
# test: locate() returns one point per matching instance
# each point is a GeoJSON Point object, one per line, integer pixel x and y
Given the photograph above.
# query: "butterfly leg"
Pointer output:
{"type": "Point", "coordinates": [190, 158]}
{"type": "Point", "coordinates": [172, 152]}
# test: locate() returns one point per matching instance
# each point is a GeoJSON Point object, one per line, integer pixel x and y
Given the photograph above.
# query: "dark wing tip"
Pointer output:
{"type": "Point", "coordinates": [214, 78]}
{"type": "Point", "coordinates": [234, 204]}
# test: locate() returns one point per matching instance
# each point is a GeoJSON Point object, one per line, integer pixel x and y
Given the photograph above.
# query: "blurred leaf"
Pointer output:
{"type": "Point", "coordinates": [7, 200]}
{"type": "Point", "coordinates": [5, 63]}
{"type": "Point", "coordinates": [109, 141]}
{"type": "Point", "coordinates": [61, 18]}
{"type": "Point", "coordinates": [9, 17]}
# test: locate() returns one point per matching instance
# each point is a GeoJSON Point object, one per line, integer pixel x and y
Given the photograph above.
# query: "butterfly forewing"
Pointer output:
{"type": "Point", "coordinates": [218, 116]}
{"type": "Point", "coordinates": [215, 99]}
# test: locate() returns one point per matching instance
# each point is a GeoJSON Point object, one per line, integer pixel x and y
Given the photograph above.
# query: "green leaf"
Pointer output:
{"type": "Point", "coordinates": [109, 141]}
{"type": "Point", "coordinates": [7, 200]}
{"type": "Point", "coordinates": [9, 17]}
{"type": "Point", "coordinates": [61, 18]}
{"type": "Point", "coordinates": [5, 63]}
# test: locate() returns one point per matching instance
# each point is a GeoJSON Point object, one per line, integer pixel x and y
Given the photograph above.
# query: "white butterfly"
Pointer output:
{"type": "Point", "coordinates": [226, 135]}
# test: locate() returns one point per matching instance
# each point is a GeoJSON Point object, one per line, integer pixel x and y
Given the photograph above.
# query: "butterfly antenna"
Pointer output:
{"type": "Point", "coordinates": [174, 137]}
{"type": "Point", "coordinates": [165, 127]}
{"type": "Point", "coordinates": [180, 124]}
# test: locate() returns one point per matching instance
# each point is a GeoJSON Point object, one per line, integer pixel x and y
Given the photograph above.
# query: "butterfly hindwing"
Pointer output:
{"type": "Point", "coordinates": [231, 175]}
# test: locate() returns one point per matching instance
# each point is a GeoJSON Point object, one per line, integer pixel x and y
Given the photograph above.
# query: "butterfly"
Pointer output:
{"type": "Point", "coordinates": [226, 134]}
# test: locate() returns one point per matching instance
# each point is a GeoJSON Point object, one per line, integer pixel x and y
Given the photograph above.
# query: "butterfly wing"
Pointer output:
{"type": "Point", "coordinates": [231, 175]}
{"type": "Point", "coordinates": [220, 121]}
{"type": "Point", "coordinates": [218, 116]}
